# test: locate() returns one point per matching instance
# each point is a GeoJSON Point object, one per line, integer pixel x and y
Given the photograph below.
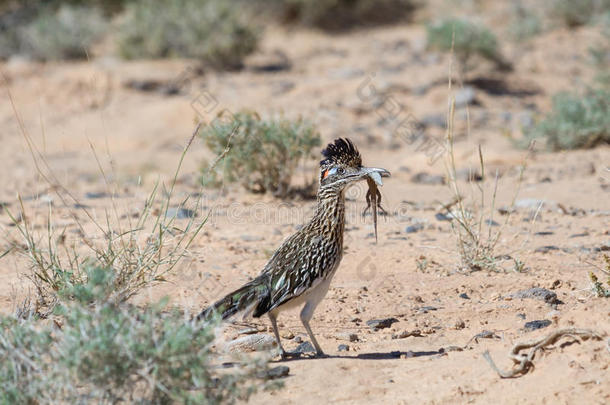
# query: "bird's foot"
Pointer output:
{"type": "Point", "coordinates": [321, 355]}
{"type": "Point", "coordinates": [290, 355]}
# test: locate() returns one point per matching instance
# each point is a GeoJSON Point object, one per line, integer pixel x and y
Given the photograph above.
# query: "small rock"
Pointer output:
{"type": "Point", "coordinates": [377, 324]}
{"type": "Point", "coordinates": [250, 238]}
{"type": "Point", "coordinates": [426, 309]}
{"type": "Point", "coordinates": [442, 217]}
{"type": "Point", "coordinates": [426, 178]}
{"type": "Point", "coordinates": [522, 316]}
{"type": "Point", "coordinates": [96, 195]}
{"type": "Point", "coordinates": [465, 96]}
{"type": "Point", "coordinates": [468, 175]}
{"type": "Point", "coordinates": [543, 294]}
{"type": "Point", "coordinates": [305, 347]}
{"type": "Point", "coordinates": [535, 325]}
{"type": "Point", "coordinates": [491, 222]}
{"type": "Point", "coordinates": [288, 335]}
{"type": "Point", "coordinates": [453, 349]}
{"type": "Point", "coordinates": [247, 331]}
{"type": "Point", "coordinates": [275, 61]}
{"type": "Point", "coordinates": [252, 343]}
{"type": "Point", "coordinates": [544, 233]}
{"type": "Point", "coordinates": [343, 348]}
{"type": "Point", "coordinates": [464, 296]}
{"type": "Point", "coordinates": [350, 337]}
{"type": "Point", "coordinates": [180, 213]}
{"type": "Point", "coordinates": [298, 339]}
{"type": "Point", "coordinates": [407, 333]}
{"type": "Point", "coordinates": [433, 120]}
{"type": "Point", "coordinates": [546, 249]}
{"type": "Point", "coordinates": [273, 373]}
{"type": "Point", "coordinates": [534, 204]}
{"type": "Point", "coordinates": [459, 324]}
{"type": "Point", "coordinates": [414, 228]}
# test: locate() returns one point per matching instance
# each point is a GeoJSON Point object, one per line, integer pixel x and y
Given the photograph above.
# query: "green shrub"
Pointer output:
{"type": "Point", "coordinates": [214, 31]}
{"type": "Point", "coordinates": [525, 23]}
{"type": "Point", "coordinates": [573, 13]}
{"type": "Point", "coordinates": [339, 14]}
{"type": "Point", "coordinates": [65, 33]}
{"type": "Point", "coordinates": [469, 40]}
{"type": "Point", "coordinates": [106, 352]}
{"type": "Point", "coordinates": [261, 154]}
{"type": "Point", "coordinates": [575, 121]}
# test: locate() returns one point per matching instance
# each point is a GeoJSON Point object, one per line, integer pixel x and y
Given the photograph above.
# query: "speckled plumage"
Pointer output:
{"type": "Point", "coordinates": [300, 271]}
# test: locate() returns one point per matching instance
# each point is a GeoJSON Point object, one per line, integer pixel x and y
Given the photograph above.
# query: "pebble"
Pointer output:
{"type": "Point", "coordinates": [247, 331]}
{"type": "Point", "coordinates": [543, 294]}
{"type": "Point", "coordinates": [414, 228]}
{"type": "Point", "coordinates": [546, 249]}
{"type": "Point", "coordinates": [407, 333]}
{"type": "Point", "coordinates": [305, 347]}
{"type": "Point", "coordinates": [465, 96]}
{"type": "Point", "coordinates": [426, 178]}
{"type": "Point", "coordinates": [275, 372]}
{"type": "Point", "coordinates": [426, 309]}
{"type": "Point", "coordinates": [250, 238]}
{"type": "Point", "coordinates": [535, 325]}
{"type": "Point", "coordinates": [252, 343]}
{"type": "Point", "coordinates": [350, 337]}
{"type": "Point", "coordinates": [288, 335]}
{"type": "Point", "coordinates": [96, 195]}
{"type": "Point", "coordinates": [180, 213]}
{"type": "Point", "coordinates": [464, 296]}
{"type": "Point", "coordinates": [343, 348]}
{"type": "Point", "coordinates": [442, 217]}
{"type": "Point", "coordinates": [377, 324]}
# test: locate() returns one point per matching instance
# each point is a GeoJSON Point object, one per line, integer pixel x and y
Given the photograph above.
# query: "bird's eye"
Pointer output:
{"type": "Point", "coordinates": [341, 170]}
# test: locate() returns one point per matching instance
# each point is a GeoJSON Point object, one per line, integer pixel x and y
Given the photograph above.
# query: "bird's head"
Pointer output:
{"type": "Point", "coordinates": [342, 166]}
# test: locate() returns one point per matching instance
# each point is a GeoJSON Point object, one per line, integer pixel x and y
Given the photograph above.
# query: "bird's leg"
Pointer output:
{"type": "Point", "coordinates": [306, 315]}
{"type": "Point", "coordinates": [283, 353]}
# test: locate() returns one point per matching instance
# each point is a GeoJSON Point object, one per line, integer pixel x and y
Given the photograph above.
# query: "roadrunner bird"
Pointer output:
{"type": "Point", "coordinates": [300, 271]}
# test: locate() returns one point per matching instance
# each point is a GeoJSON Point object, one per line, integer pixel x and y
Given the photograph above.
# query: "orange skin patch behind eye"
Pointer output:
{"type": "Point", "coordinates": [325, 175]}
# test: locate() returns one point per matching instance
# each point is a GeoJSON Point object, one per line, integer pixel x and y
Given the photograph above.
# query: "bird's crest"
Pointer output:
{"type": "Point", "coordinates": [342, 151]}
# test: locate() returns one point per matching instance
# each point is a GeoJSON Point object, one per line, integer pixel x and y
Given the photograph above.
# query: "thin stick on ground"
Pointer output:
{"type": "Point", "coordinates": [525, 362]}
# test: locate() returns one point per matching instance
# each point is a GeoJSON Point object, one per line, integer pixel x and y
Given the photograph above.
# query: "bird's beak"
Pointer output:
{"type": "Point", "coordinates": [375, 174]}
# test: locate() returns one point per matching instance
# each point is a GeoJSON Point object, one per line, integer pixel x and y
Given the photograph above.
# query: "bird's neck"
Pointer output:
{"type": "Point", "coordinates": [330, 211]}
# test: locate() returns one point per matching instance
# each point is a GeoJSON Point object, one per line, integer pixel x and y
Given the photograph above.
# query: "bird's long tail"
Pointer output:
{"type": "Point", "coordinates": [247, 297]}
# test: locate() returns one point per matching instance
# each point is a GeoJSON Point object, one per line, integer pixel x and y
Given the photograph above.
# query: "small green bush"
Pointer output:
{"type": "Point", "coordinates": [525, 23]}
{"type": "Point", "coordinates": [470, 40]}
{"type": "Point", "coordinates": [261, 154]}
{"type": "Point", "coordinates": [573, 13]}
{"type": "Point", "coordinates": [52, 33]}
{"type": "Point", "coordinates": [106, 352]}
{"type": "Point", "coordinates": [575, 121]}
{"type": "Point", "coordinates": [336, 15]}
{"type": "Point", "coordinates": [215, 31]}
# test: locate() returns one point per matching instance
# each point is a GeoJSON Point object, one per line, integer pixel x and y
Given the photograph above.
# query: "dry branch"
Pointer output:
{"type": "Point", "coordinates": [525, 362]}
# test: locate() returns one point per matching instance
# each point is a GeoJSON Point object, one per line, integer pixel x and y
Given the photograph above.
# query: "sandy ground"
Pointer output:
{"type": "Point", "coordinates": [73, 112]}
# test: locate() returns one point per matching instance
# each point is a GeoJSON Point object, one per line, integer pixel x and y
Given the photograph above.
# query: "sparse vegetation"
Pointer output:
{"type": "Point", "coordinates": [467, 40]}
{"type": "Point", "coordinates": [598, 287]}
{"type": "Point", "coordinates": [215, 31]}
{"type": "Point", "coordinates": [260, 154]}
{"type": "Point", "coordinates": [525, 23]}
{"type": "Point", "coordinates": [575, 13]}
{"type": "Point", "coordinates": [336, 15]}
{"type": "Point", "coordinates": [476, 245]}
{"type": "Point", "coordinates": [575, 121]}
{"type": "Point", "coordinates": [108, 352]}
{"type": "Point", "coordinates": [67, 32]}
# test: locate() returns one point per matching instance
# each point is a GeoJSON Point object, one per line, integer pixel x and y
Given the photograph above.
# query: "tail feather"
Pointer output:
{"type": "Point", "coordinates": [253, 293]}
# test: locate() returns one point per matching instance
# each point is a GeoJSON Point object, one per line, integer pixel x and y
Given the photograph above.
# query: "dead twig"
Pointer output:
{"type": "Point", "coordinates": [525, 362]}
